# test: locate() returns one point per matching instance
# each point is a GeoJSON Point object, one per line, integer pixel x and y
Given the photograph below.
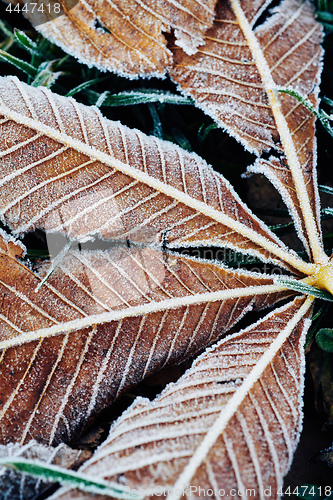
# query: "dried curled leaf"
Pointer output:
{"type": "Point", "coordinates": [101, 323]}
{"type": "Point", "coordinates": [234, 77]}
{"type": "Point", "coordinates": [66, 168]}
{"type": "Point", "coordinates": [231, 421]}
{"type": "Point", "coordinates": [124, 35]}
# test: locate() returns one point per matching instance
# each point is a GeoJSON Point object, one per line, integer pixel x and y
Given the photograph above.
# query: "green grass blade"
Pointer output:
{"type": "Point", "coordinates": [101, 99]}
{"type": "Point", "coordinates": [84, 85]}
{"type": "Point", "coordinates": [322, 5]}
{"type": "Point", "coordinates": [301, 99]}
{"type": "Point", "coordinates": [326, 213]}
{"type": "Point", "coordinates": [157, 124]}
{"type": "Point", "coordinates": [69, 478]}
{"type": "Point", "coordinates": [6, 44]}
{"type": "Point", "coordinates": [282, 229]}
{"type": "Point", "coordinates": [325, 189]}
{"type": "Point", "coordinates": [18, 63]}
{"type": "Point", "coordinates": [55, 263]}
{"type": "Point", "coordinates": [5, 30]}
{"type": "Point", "coordinates": [142, 96]}
{"type": "Point", "coordinates": [205, 130]}
{"type": "Point", "coordinates": [328, 101]}
{"type": "Point", "coordinates": [26, 42]}
{"type": "Point", "coordinates": [34, 253]}
{"type": "Point", "coordinates": [328, 27]}
{"type": "Point", "coordinates": [58, 63]}
{"type": "Point", "coordinates": [298, 286]}
{"type": "Point", "coordinates": [46, 77]}
{"type": "Point", "coordinates": [325, 16]}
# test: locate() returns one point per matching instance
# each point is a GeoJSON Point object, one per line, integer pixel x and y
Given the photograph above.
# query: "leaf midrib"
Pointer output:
{"type": "Point", "coordinates": [141, 310]}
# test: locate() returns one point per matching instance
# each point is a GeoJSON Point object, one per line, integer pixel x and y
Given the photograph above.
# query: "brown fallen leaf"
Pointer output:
{"type": "Point", "coordinates": [66, 168]}
{"type": "Point", "coordinates": [126, 36]}
{"type": "Point", "coordinates": [231, 422]}
{"type": "Point", "coordinates": [233, 79]}
{"type": "Point", "coordinates": [101, 323]}
{"type": "Point", "coordinates": [232, 74]}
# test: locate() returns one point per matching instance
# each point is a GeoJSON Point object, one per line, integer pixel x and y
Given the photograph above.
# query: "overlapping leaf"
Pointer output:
{"type": "Point", "coordinates": [66, 168]}
{"type": "Point", "coordinates": [231, 72]}
{"type": "Point", "coordinates": [232, 421]}
{"type": "Point", "coordinates": [234, 77]}
{"type": "Point", "coordinates": [123, 35]}
{"type": "Point", "coordinates": [15, 487]}
{"type": "Point", "coordinates": [104, 320]}
{"type": "Point", "coordinates": [226, 75]}
{"type": "Point", "coordinates": [101, 323]}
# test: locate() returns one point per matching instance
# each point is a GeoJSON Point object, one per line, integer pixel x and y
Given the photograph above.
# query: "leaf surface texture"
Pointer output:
{"type": "Point", "coordinates": [231, 71]}
{"type": "Point", "coordinates": [101, 323]}
{"type": "Point", "coordinates": [105, 319]}
{"type": "Point", "coordinates": [233, 77]}
{"type": "Point", "coordinates": [125, 35]}
{"type": "Point", "coordinates": [241, 396]}
{"type": "Point", "coordinates": [66, 168]}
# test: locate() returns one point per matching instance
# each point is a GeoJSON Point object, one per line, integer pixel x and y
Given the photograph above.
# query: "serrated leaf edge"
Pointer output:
{"type": "Point", "coordinates": [316, 246]}
{"type": "Point", "coordinates": [231, 407]}
{"type": "Point", "coordinates": [203, 208]}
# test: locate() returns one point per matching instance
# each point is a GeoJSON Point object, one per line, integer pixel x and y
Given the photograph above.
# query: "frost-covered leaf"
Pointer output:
{"type": "Point", "coordinates": [232, 72]}
{"type": "Point", "coordinates": [106, 319]}
{"type": "Point", "coordinates": [225, 74]}
{"type": "Point", "coordinates": [66, 168]}
{"type": "Point", "coordinates": [102, 322]}
{"type": "Point", "coordinates": [231, 421]}
{"type": "Point", "coordinates": [126, 36]}
{"type": "Point", "coordinates": [15, 486]}
{"type": "Point", "coordinates": [233, 77]}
